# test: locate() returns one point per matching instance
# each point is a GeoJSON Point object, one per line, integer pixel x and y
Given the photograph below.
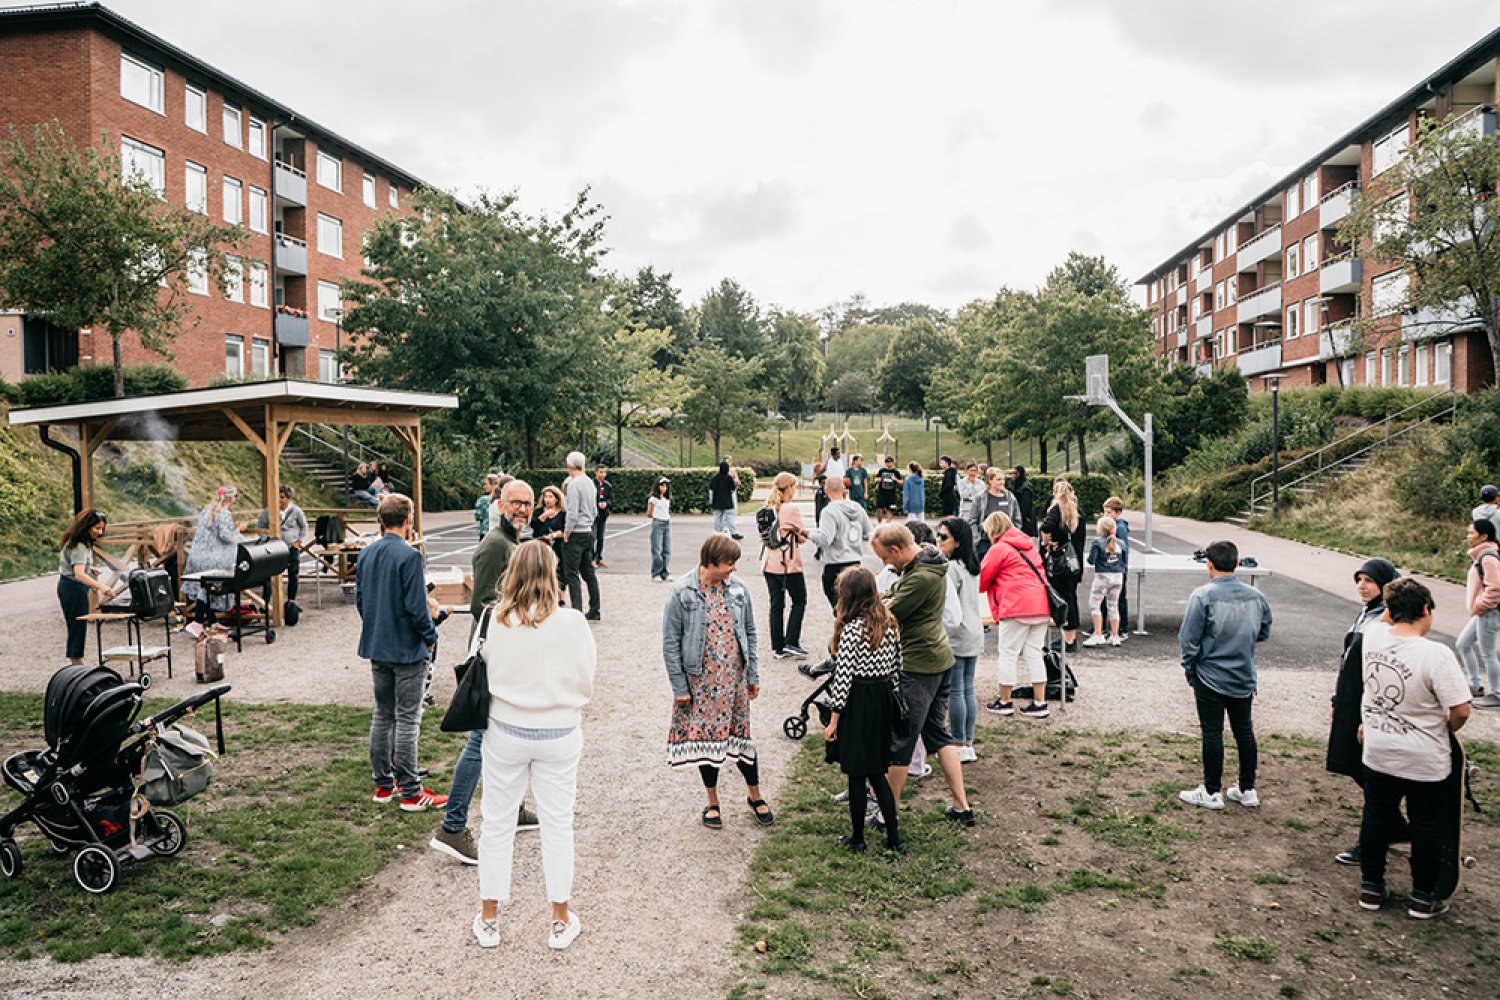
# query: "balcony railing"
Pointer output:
{"type": "Point", "coordinates": [1336, 204]}
{"type": "Point", "coordinates": [1336, 341]}
{"type": "Point", "coordinates": [291, 255]}
{"type": "Point", "coordinates": [1478, 121]}
{"type": "Point", "coordinates": [1340, 274]}
{"type": "Point", "coordinates": [1266, 244]}
{"type": "Point", "coordinates": [1204, 327]}
{"type": "Point", "coordinates": [1205, 280]}
{"type": "Point", "coordinates": [1440, 321]}
{"type": "Point", "coordinates": [290, 184]}
{"type": "Point", "coordinates": [1204, 368]}
{"type": "Point", "coordinates": [1261, 302]}
{"type": "Point", "coordinates": [1259, 359]}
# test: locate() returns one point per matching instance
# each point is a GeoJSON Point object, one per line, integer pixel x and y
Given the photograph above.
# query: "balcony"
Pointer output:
{"type": "Point", "coordinates": [1261, 302]}
{"type": "Point", "coordinates": [1204, 327]}
{"type": "Point", "coordinates": [1336, 204]}
{"type": "Point", "coordinates": [1340, 275]}
{"type": "Point", "coordinates": [1440, 321]}
{"type": "Point", "coordinates": [1336, 342]}
{"type": "Point", "coordinates": [291, 255]}
{"type": "Point", "coordinates": [1205, 280]}
{"type": "Point", "coordinates": [1267, 244]}
{"type": "Point", "coordinates": [1204, 368]}
{"type": "Point", "coordinates": [1478, 121]}
{"type": "Point", "coordinates": [290, 184]}
{"type": "Point", "coordinates": [291, 327]}
{"type": "Point", "coordinates": [1259, 360]}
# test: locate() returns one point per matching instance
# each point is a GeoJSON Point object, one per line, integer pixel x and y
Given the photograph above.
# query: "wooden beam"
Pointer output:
{"type": "Point", "coordinates": [416, 476]}
{"type": "Point", "coordinates": [271, 486]}
{"type": "Point", "coordinates": [91, 442]}
{"type": "Point", "coordinates": [285, 437]}
{"type": "Point", "coordinates": [334, 415]}
{"type": "Point", "coordinates": [245, 429]}
{"type": "Point", "coordinates": [85, 476]}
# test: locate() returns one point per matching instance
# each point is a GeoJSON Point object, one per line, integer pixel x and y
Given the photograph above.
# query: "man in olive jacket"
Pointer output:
{"type": "Point", "coordinates": [916, 601]}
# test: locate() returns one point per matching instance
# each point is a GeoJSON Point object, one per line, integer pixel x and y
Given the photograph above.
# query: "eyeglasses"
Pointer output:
{"type": "Point", "coordinates": [943, 536]}
{"type": "Point", "coordinates": [521, 503]}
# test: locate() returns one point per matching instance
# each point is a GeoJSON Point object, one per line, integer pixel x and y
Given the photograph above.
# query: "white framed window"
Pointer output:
{"type": "Point", "coordinates": [1442, 363]}
{"type": "Point", "coordinates": [260, 203]}
{"type": "Point", "coordinates": [142, 83]}
{"type": "Point", "coordinates": [1231, 240]}
{"type": "Point", "coordinates": [1231, 289]}
{"type": "Point", "coordinates": [1293, 199]}
{"type": "Point", "coordinates": [260, 282]}
{"type": "Point", "coordinates": [1385, 367]}
{"type": "Point", "coordinates": [1293, 260]}
{"type": "Point", "coordinates": [197, 272]}
{"type": "Point", "coordinates": [1421, 364]}
{"type": "Point", "coordinates": [330, 171]}
{"type": "Point", "coordinates": [395, 199]}
{"type": "Point", "coordinates": [1346, 371]}
{"type": "Point", "coordinates": [232, 123]}
{"type": "Point", "coordinates": [1388, 150]}
{"type": "Point", "coordinates": [1292, 328]}
{"type": "Point", "coordinates": [143, 164]}
{"type": "Point", "coordinates": [195, 108]}
{"type": "Point", "coordinates": [1309, 191]}
{"type": "Point", "coordinates": [1388, 293]}
{"type": "Point", "coordinates": [1197, 306]}
{"type": "Point", "coordinates": [1219, 296]}
{"type": "Point", "coordinates": [330, 304]}
{"type": "Point", "coordinates": [368, 189]}
{"type": "Point", "coordinates": [329, 369]}
{"type": "Point", "coordinates": [234, 201]}
{"type": "Point", "coordinates": [234, 355]}
{"type": "Point", "coordinates": [1310, 253]}
{"type": "Point", "coordinates": [1312, 315]}
{"type": "Point", "coordinates": [1219, 344]}
{"type": "Point", "coordinates": [1403, 365]}
{"type": "Point", "coordinates": [1370, 368]}
{"type": "Point", "coordinates": [1392, 216]}
{"type": "Point", "coordinates": [260, 357]}
{"type": "Point", "coordinates": [195, 177]}
{"type": "Point", "coordinates": [256, 146]}
{"type": "Point", "coordinates": [330, 236]}
{"type": "Point", "coordinates": [234, 279]}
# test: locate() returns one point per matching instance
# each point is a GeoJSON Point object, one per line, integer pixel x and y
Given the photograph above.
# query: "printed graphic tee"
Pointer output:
{"type": "Point", "coordinates": [1410, 683]}
{"type": "Point", "coordinates": [857, 479]}
{"type": "Point", "coordinates": [888, 481]}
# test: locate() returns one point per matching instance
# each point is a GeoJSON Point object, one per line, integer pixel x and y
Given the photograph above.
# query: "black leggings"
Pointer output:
{"type": "Point", "coordinates": [857, 804]}
{"type": "Point", "coordinates": [710, 774]}
{"type": "Point", "coordinates": [74, 598]}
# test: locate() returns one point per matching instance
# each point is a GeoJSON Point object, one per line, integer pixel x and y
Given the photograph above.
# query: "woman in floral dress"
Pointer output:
{"type": "Point", "coordinates": [214, 546]}
{"type": "Point", "coordinates": [709, 645]}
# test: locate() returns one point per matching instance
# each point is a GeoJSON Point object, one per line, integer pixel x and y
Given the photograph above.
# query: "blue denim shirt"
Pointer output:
{"type": "Point", "coordinates": [1102, 561]}
{"type": "Point", "coordinates": [1225, 619]}
{"type": "Point", "coordinates": [390, 594]}
{"type": "Point", "coordinates": [684, 630]}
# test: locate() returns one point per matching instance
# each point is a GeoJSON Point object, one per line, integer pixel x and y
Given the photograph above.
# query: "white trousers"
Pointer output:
{"type": "Point", "coordinates": [1021, 644]}
{"type": "Point", "coordinates": [551, 768]}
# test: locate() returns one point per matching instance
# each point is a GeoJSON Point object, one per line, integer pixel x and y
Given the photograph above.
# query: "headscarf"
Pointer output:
{"type": "Point", "coordinates": [1382, 572]}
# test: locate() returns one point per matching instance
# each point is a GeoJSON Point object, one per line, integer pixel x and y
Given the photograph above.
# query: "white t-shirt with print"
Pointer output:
{"type": "Point", "coordinates": [1410, 683]}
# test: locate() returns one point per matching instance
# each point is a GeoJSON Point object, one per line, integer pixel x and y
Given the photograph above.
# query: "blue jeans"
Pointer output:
{"type": "Point", "coordinates": [661, 548]}
{"type": "Point", "coordinates": [465, 778]}
{"type": "Point", "coordinates": [963, 705]}
{"type": "Point", "coordinates": [724, 521]}
{"type": "Point", "coordinates": [396, 723]}
{"type": "Point", "coordinates": [1476, 645]}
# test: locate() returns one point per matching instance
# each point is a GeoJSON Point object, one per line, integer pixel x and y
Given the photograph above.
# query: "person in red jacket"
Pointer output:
{"type": "Point", "coordinates": [1011, 576]}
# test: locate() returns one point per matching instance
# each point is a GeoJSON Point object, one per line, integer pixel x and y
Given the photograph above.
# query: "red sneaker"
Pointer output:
{"type": "Point", "coordinates": [423, 801]}
{"type": "Point", "coordinates": [383, 795]}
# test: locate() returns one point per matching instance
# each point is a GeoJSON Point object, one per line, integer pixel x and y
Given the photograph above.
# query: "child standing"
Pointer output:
{"type": "Point", "coordinates": [659, 506]}
{"type": "Point", "coordinates": [867, 666]}
{"type": "Point", "coordinates": [914, 493]}
{"type": "Point", "coordinates": [1107, 556]}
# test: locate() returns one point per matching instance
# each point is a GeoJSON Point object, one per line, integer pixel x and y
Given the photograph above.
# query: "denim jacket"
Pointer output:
{"type": "Point", "coordinates": [1225, 619]}
{"type": "Point", "coordinates": [684, 630]}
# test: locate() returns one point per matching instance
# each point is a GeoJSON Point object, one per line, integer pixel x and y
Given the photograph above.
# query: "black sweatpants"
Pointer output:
{"type": "Point", "coordinates": [831, 573]}
{"type": "Point", "coordinates": [578, 563]}
{"type": "Point", "coordinates": [1212, 707]}
{"type": "Point", "coordinates": [74, 598]}
{"type": "Point", "coordinates": [599, 521]}
{"type": "Point", "coordinates": [782, 585]}
{"type": "Point", "coordinates": [1381, 826]}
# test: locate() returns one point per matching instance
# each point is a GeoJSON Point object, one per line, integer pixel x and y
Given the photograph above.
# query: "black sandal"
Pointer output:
{"type": "Point", "coordinates": [714, 822]}
{"type": "Point", "coordinates": [763, 818]}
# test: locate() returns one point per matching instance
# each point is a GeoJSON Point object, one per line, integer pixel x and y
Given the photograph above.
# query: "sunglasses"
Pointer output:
{"type": "Point", "coordinates": [943, 535]}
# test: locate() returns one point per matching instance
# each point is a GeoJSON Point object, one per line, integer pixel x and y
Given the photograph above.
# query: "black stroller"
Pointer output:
{"type": "Point", "coordinates": [95, 785]}
{"type": "Point", "coordinates": [795, 726]}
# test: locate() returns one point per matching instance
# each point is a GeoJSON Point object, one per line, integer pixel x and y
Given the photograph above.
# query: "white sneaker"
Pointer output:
{"type": "Point", "coordinates": [1247, 799]}
{"type": "Point", "coordinates": [563, 933]}
{"type": "Point", "coordinates": [1114, 640]}
{"type": "Point", "coordinates": [486, 932]}
{"type": "Point", "coordinates": [966, 755]}
{"type": "Point", "coordinates": [1097, 639]}
{"type": "Point", "coordinates": [1199, 797]}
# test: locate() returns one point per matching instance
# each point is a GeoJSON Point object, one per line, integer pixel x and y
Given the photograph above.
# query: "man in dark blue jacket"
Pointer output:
{"type": "Point", "coordinates": [396, 635]}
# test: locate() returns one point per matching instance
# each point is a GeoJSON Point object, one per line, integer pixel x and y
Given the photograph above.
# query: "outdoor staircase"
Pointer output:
{"type": "Point", "coordinates": [1310, 474]}
{"type": "Point", "coordinates": [317, 468]}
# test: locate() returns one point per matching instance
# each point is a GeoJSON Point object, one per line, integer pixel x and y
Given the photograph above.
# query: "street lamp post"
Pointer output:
{"type": "Point", "coordinates": [1273, 382]}
{"type": "Point", "coordinates": [780, 423]}
{"type": "Point", "coordinates": [937, 448]}
{"type": "Point", "coordinates": [680, 419]}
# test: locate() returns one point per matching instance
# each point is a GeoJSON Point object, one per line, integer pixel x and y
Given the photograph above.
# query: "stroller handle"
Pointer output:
{"type": "Point", "coordinates": [183, 707]}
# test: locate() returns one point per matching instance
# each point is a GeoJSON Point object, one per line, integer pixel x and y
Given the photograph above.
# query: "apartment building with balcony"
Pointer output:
{"type": "Point", "coordinates": [203, 139]}
{"type": "Point", "coordinates": [1273, 291]}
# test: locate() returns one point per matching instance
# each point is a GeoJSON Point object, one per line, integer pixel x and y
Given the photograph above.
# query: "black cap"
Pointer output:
{"type": "Point", "coordinates": [1489, 493]}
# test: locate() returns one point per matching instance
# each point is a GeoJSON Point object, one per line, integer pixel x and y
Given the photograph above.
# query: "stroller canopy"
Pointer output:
{"type": "Point", "coordinates": [87, 704]}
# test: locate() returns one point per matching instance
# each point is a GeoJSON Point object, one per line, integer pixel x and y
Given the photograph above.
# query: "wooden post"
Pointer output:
{"type": "Point", "coordinates": [271, 487]}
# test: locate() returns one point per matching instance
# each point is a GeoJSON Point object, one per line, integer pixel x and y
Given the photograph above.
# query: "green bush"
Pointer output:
{"type": "Point", "coordinates": [87, 382]}
{"type": "Point", "coordinates": [633, 486]}
{"type": "Point", "coordinates": [1462, 458]}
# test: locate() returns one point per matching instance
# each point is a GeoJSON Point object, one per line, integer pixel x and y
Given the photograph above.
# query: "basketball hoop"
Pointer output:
{"type": "Point", "coordinates": [1096, 380]}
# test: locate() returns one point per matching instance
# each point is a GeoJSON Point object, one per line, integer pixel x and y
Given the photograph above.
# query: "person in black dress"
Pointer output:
{"type": "Point", "coordinates": [547, 523]}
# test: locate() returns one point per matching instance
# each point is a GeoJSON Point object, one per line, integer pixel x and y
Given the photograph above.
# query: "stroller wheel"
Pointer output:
{"type": "Point", "coordinates": [270, 636]}
{"type": "Point", "coordinates": [96, 869]}
{"type": "Point", "coordinates": [173, 833]}
{"type": "Point", "coordinates": [10, 859]}
{"type": "Point", "coordinates": [145, 681]}
{"type": "Point", "coordinates": [795, 727]}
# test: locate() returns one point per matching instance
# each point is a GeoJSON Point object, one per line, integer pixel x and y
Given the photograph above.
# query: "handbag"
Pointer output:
{"type": "Point", "coordinates": [1063, 560]}
{"type": "Point", "coordinates": [1057, 608]}
{"type": "Point", "coordinates": [470, 707]}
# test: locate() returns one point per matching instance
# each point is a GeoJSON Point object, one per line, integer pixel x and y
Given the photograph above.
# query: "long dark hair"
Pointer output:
{"type": "Point", "coordinates": [662, 488]}
{"type": "Point", "coordinates": [860, 598]}
{"type": "Point", "coordinates": [958, 530]}
{"type": "Point", "coordinates": [77, 532]}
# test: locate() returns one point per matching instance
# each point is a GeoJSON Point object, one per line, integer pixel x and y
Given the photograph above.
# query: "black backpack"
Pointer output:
{"type": "Point", "coordinates": [768, 524]}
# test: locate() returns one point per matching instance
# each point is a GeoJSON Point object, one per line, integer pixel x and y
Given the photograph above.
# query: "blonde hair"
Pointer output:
{"type": "Point", "coordinates": [556, 495]}
{"type": "Point", "coordinates": [778, 489]}
{"type": "Point", "coordinates": [1066, 502]}
{"type": "Point", "coordinates": [224, 496]}
{"type": "Point", "coordinates": [997, 524]}
{"type": "Point", "coordinates": [528, 590]}
{"type": "Point", "coordinates": [1106, 528]}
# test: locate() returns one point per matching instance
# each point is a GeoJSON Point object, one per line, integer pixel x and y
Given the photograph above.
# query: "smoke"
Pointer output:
{"type": "Point", "coordinates": [147, 470]}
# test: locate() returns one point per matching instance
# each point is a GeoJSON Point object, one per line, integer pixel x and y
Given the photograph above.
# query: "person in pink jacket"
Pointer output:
{"type": "Point", "coordinates": [1018, 603]}
{"type": "Point", "coordinates": [782, 568]}
{"type": "Point", "coordinates": [1476, 644]}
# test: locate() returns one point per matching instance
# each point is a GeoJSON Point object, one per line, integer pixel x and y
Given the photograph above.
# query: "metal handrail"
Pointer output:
{"type": "Point", "coordinates": [290, 241]}
{"type": "Point", "coordinates": [1352, 187]}
{"type": "Point", "coordinates": [357, 449]}
{"type": "Point", "coordinates": [1386, 438]}
{"type": "Point", "coordinates": [1263, 234]}
{"type": "Point", "coordinates": [288, 166]}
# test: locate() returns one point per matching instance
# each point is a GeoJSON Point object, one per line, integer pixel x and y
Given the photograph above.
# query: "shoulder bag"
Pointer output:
{"type": "Point", "coordinates": [1057, 608]}
{"type": "Point", "coordinates": [470, 707]}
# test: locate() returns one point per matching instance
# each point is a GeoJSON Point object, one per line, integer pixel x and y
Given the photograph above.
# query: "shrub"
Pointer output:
{"type": "Point", "coordinates": [86, 382]}
{"type": "Point", "coordinates": [633, 486]}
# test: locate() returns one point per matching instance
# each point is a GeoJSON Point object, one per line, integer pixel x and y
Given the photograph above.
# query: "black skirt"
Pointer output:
{"type": "Point", "coordinates": [864, 743]}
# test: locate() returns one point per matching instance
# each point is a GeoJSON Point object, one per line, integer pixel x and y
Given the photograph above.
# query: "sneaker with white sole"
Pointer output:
{"type": "Point", "coordinates": [423, 801]}
{"type": "Point", "coordinates": [1097, 639]}
{"type": "Point", "coordinates": [925, 772]}
{"type": "Point", "coordinates": [1200, 797]}
{"type": "Point", "coordinates": [383, 796]}
{"type": "Point", "coordinates": [458, 845]}
{"type": "Point", "coordinates": [563, 932]}
{"type": "Point", "coordinates": [486, 932]}
{"type": "Point", "coordinates": [527, 820]}
{"type": "Point", "coordinates": [1248, 799]}
{"type": "Point", "coordinates": [1114, 640]}
{"type": "Point", "coordinates": [999, 707]}
{"type": "Point", "coordinates": [966, 755]}
{"type": "Point", "coordinates": [1036, 710]}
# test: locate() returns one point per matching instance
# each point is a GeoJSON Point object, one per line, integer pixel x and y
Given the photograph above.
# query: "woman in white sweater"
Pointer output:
{"type": "Point", "coordinates": [540, 659]}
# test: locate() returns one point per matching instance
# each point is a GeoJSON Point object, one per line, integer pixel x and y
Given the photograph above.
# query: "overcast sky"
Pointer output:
{"type": "Point", "coordinates": [810, 149]}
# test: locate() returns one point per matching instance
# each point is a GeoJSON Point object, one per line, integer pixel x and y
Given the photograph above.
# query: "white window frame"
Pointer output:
{"type": "Point", "coordinates": [368, 189]}
{"type": "Point", "coordinates": [1231, 289]}
{"type": "Point", "coordinates": [1292, 257]}
{"type": "Point", "coordinates": [1292, 322]}
{"type": "Point", "coordinates": [1370, 368]}
{"type": "Point", "coordinates": [196, 272]}
{"type": "Point", "coordinates": [151, 76]}
{"type": "Point", "coordinates": [329, 299]}
{"type": "Point", "coordinates": [338, 236]}
{"type": "Point", "coordinates": [259, 219]}
{"type": "Point", "coordinates": [1219, 297]}
{"type": "Point", "coordinates": [1292, 202]}
{"type": "Point", "coordinates": [233, 191]}
{"type": "Point", "coordinates": [1312, 316]}
{"type": "Point", "coordinates": [1309, 191]}
{"type": "Point", "coordinates": [1420, 367]}
{"type": "Point", "coordinates": [1388, 292]}
{"type": "Point", "coordinates": [189, 92]}
{"type": "Point", "coordinates": [1403, 365]}
{"type": "Point", "coordinates": [255, 141]}
{"type": "Point", "coordinates": [260, 285]}
{"type": "Point", "coordinates": [260, 357]}
{"type": "Point", "coordinates": [330, 167]}
{"type": "Point", "coordinates": [195, 175]}
{"type": "Point", "coordinates": [1310, 254]}
{"type": "Point", "coordinates": [234, 125]}
{"type": "Point", "coordinates": [1385, 366]}
{"type": "Point", "coordinates": [393, 195]}
{"type": "Point", "coordinates": [329, 369]}
{"type": "Point", "coordinates": [157, 176]}
{"type": "Point", "coordinates": [1442, 363]}
{"type": "Point", "coordinates": [234, 355]}
{"type": "Point", "coordinates": [234, 278]}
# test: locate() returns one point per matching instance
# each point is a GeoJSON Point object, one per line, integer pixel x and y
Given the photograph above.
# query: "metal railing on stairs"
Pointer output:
{"type": "Point", "coordinates": [1337, 456]}
{"type": "Point", "coordinates": [326, 443]}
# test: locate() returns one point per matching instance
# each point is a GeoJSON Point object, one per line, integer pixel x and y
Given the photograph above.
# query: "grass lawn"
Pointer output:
{"type": "Point", "coordinates": [1087, 878]}
{"type": "Point", "coordinates": [286, 831]}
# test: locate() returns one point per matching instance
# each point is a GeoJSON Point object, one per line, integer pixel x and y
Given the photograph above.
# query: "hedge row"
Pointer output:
{"type": "Point", "coordinates": [89, 382]}
{"type": "Point", "coordinates": [1091, 490]}
{"type": "Point", "coordinates": [633, 486]}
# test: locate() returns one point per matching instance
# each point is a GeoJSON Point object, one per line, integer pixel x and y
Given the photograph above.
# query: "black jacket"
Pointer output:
{"type": "Point", "coordinates": [1025, 496]}
{"type": "Point", "coordinates": [1057, 533]}
{"type": "Point", "coordinates": [721, 491]}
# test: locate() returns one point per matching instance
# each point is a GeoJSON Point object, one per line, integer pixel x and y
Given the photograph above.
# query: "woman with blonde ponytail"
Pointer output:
{"type": "Point", "coordinates": [781, 564]}
{"type": "Point", "coordinates": [1062, 536]}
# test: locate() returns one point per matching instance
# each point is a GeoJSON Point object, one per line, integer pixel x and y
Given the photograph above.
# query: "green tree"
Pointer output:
{"type": "Point", "coordinates": [853, 392]}
{"type": "Point", "coordinates": [1091, 277]}
{"type": "Point", "coordinates": [964, 391]}
{"type": "Point", "coordinates": [858, 348]}
{"type": "Point", "coordinates": [728, 317]}
{"type": "Point", "coordinates": [918, 351]}
{"type": "Point", "coordinates": [1188, 409]}
{"type": "Point", "coordinates": [81, 245]}
{"type": "Point", "coordinates": [1435, 219]}
{"type": "Point", "coordinates": [794, 364]}
{"type": "Point", "coordinates": [655, 304]}
{"type": "Point", "coordinates": [637, 390]}
{"type": "Point", "coordinates": [501, 308]}
{"type": "Point", "coordinates": [907, 312]}
{"type": "Point", "coordinates": [722, 398]}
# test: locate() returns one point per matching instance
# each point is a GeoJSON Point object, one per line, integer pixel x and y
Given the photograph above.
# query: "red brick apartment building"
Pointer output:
{"type": "Point", "coordinates": [1271, 290]}
{"type": "Point", "coordinates": [202, 138]}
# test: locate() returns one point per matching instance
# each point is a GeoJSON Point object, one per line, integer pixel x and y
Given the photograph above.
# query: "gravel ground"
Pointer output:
{"type": "Point", "coordinates": [659, 896]}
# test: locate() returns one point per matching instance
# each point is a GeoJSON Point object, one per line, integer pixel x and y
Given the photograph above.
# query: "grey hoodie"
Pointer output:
{"type": "Point", "coordinates": [842, 532]}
